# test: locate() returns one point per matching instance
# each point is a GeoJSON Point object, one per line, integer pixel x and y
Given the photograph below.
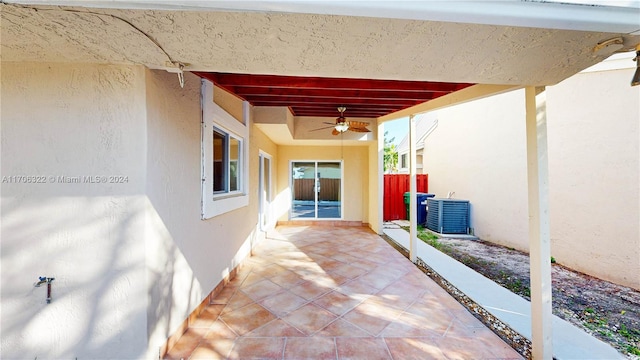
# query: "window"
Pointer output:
{"type": "Point", "coordinates": [227, 162]}
{"type": "Point", "coordinates": [224, 157]}
{"type": "Point", "coordinates": [403, 161]}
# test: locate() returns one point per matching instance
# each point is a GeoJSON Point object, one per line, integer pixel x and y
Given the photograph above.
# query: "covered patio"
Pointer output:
{"type": "Point", "coordinates": [315, 292]}
{"type": "Point", "coordinates": [116, 89]}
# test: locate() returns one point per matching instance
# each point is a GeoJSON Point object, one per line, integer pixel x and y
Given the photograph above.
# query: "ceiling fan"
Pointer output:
{"type": "Point", "coordinates": [341, 125]}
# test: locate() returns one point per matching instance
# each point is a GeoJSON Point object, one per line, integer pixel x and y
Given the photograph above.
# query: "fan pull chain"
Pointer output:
{"type": "Point", "coordinates": [342, 146]}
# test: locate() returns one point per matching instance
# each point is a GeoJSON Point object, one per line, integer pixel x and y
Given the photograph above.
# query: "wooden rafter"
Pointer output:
{"type": "Point", "coordinates": [317, 96]}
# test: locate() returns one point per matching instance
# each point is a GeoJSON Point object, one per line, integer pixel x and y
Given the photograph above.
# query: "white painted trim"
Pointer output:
{"type": "Point", "coordinates": [413, 188]}
{"type": "Point", "coordinates": [215, 116]}
{"type": "Point", "coordinates": [424, 137]}
{"type": "Point", "coordinates": [537, 14]}
{"type": "Point", "coordinates": [539, 234]}
{"type": "Point", "coordinates": [378, 224]}
{"type": "Point", "coordinates": [342, 189]}
{"type": "Point", "coordinates": [271, 218]}
{"type": "Point", "coordinates": [470, 93]}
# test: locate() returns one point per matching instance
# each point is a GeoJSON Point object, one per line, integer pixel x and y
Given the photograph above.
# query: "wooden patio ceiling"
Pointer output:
{"type": "Point", "coordinates": [321, 96]}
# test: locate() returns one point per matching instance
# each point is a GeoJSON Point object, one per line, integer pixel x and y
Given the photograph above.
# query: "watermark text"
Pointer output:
{"type": "Point", "coordinates": [65, 179]}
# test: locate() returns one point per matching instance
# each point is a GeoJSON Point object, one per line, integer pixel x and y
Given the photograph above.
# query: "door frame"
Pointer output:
{"type": "Point", "coordinates": [266, 220]}
{"type": "Point", "coordinates": [316, 161]}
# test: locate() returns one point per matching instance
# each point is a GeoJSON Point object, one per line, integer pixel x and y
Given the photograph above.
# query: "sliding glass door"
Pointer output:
{"type": "Point", "coordinates": [316, 189]}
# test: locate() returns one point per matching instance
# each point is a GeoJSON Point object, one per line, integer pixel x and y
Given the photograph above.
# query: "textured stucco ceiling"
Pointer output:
{"type": "Point", "coordinates": [302, 44]}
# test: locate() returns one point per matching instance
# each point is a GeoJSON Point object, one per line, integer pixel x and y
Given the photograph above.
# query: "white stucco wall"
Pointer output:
{"type": "Point", "coordinates": [186, 256]}
{"type": "Point", "coordinates": [478, 151]}
{"type": "Point", "coordinates": [594, 174]}
{"type": "Point", "coordinates": [74, 120]}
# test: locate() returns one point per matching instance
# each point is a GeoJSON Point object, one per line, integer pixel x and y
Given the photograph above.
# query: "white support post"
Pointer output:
{"type": "Point", "coordinates": [539, 236]}
{"type": "Point", "coordinates": [413, 215]}
{"type": "Point", "coordinates": [379, 224]}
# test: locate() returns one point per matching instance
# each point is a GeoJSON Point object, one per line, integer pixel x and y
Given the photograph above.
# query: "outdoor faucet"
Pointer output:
{"type": "Point", "coordinates": [47, 280]}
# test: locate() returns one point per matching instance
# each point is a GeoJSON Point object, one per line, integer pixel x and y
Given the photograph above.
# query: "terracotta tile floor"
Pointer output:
{"type": "Point", "coordinates": [335, 293]}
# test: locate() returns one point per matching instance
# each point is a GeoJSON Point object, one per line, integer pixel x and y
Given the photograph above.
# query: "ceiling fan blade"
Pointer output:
{"type": "Point", "coordinates": [358, 129]}
{"type": "Point", "coordinates": [328, 123]}
{"type": "Point", "coordinates": [360, 124]}
{"type": "Point", "coordinates": [323, 128]}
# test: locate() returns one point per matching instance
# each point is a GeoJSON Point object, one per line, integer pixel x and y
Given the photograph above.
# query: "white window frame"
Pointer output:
{"type": "Point", "coordinates": [215, 117]}
{"type": "Point", "coordinates": [227, 166]}
{"type": "Point", "coordinates": [404, 161]}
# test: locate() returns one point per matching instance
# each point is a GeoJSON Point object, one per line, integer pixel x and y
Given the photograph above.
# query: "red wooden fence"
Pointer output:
{"type": "Point", "coordinates": [395, 185]}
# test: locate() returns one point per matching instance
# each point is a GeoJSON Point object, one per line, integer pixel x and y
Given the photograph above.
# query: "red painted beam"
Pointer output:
{"type": "Point", "coordinates": [249, 91]}
{"type": "Point", "coordinates": [293, 101]}
{"type": "Point", "coordinates": [334, 113]}
{"type": "Point", "coordinates": [317, 96]}
{"type": "Point", "coordinates": [228, 79]}
{"type": "Point", "coordinates": [352, 107]}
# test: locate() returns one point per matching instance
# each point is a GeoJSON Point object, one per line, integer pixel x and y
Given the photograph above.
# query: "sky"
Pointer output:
{"type": "Point", "coordinates": [628, 3]}
{"type": "Point", "coordinates": [397, 128]}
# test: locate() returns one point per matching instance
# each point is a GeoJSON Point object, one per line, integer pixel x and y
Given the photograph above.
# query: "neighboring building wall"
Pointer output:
{"type": "Point", "coordinates": [426, 123]}
{"type": "Point", "coordinates": [356, 160]}
{"type": "Point", "coordinates": [187, 257]}
{"type": "Point", "coordinates": [419, 162]}
{"type": "Point", "coordinates": [73, 120]}
{"type": "Point", "coordinates": [594, 173]}
{"type": "Point", "coordinates": [478, 151]}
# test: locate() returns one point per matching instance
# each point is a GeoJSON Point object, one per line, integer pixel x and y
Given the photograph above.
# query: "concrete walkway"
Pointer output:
{"type": "Point", "coordinates": [569, 342]}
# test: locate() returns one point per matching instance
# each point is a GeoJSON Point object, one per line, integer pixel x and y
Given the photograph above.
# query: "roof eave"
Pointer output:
{"type": "Point", "coordinates": [537, 14]}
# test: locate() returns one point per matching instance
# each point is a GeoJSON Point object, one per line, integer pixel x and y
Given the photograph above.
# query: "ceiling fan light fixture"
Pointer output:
{"type": "Point", "coordinates": [342, 127]}
{"type": "Point", "coordinates": [341, 121]}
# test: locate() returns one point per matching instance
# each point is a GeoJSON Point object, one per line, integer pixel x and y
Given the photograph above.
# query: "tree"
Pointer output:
{"type": "Point", "coordinates": [390, 159]}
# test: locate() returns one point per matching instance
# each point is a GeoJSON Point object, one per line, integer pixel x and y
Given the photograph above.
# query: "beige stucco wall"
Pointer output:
{"type": "Point", "coordinates": [187, 256]}
{"type": "Point", "coordinates": [229, 102]}
{"type": "Point", "coordinates": [61, 120]}
{"type": "Point", "coordinates": [261, 142]}
{"type": "Point", "coordinates": [132, 259]}
{"type": "Point", "coordinates": [478, 151]}
{"type": "Point", "coordinates": [594, 174]}
{"type": "Point", "coordinates": [374, 210]}
{"type": "Point", "coordinates": [356, 163]}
